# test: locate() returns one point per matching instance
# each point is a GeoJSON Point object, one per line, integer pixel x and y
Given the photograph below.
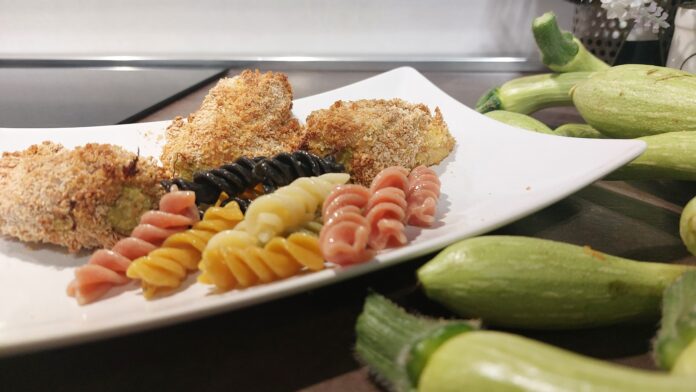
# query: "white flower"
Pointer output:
{"type": "Point", "coordinates": [644, 12]}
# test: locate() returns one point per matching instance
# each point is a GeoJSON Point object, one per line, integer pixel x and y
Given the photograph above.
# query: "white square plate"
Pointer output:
{"type": "Point", "coordinates": [495, 175]}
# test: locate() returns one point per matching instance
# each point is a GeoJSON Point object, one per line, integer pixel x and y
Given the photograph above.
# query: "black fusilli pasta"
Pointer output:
{"type": "Point", "coordinates": [246, 173]}
{"type": "Point", "coordinates": [285, 167]}
{"type": "Point", "coordinates": [233, 179]}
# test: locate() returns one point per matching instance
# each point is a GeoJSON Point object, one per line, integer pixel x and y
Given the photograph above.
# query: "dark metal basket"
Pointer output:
{"type": "Point", "coordinates": [605, 38]}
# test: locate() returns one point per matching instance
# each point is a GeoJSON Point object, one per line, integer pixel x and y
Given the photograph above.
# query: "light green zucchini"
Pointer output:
{"type": "Point", "coordinates": [578, 130]}
{"type": "Point", "coordinates": [686, 362]}
{"type": "Point", "coordinates": [675, 345]}
{"type": "Point", "coordinates": [497, 361]}
{"type": "Point", "coordinates": [531, 93]}
{"type": "Point", "coordinates": [520, 120]}
{"type": "Point", "coordinates": [687, 226]}
{"type": "Point", "coordinates": [541, 284]}
{"type": "Point", "coordinates": [632, 100]}
{"type": "Point", "coordinates": [532, 124]}
{"type": "Point", "coordinates": [408, 353]}
{"type": "Point", "coordinates": [668, 156]}
{"type": "Point", "coordinates": [560, 50]}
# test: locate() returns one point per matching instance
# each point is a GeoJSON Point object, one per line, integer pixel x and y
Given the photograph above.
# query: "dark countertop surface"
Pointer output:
{"type": "Point", "coordinates": [86, 96]}
{"type": "Point", "coordinates": [304, 342]}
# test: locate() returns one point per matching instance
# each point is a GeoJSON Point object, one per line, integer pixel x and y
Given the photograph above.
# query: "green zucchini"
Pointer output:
{"type": "Point", "coordinates": [541, 284]}
{"type": "Point", "coordinates": [531, 93]}
{"type": "Point", "coordinates": [408, 353]}
{"type": "Point", "coordinates": [578, 130]}
{"type": "Point", "coordinates": [633, 100]}
{"type": "Point", "coordinates": [532, 124]}
{"type": "Point", "coordinates": [560, 50]}
{"type": "Point", "coordinates": [668, 156]}
{"type": "Point", "coordinates": [520, 120]}
{"type": "Point", "coordinates": [686, 363]}
{"type": "Point", "coordinates": [675, 345]}
{"type": "Point", "coordinates": [687, 226]}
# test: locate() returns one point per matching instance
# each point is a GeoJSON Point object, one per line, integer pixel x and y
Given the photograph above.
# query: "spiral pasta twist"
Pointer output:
{"type": "Point", "coordinates": [290, 206]}
{"type": "Point", "coordinates": [358, 221]}
{"type": "Point", "coordinates": [166, 267]}
{"type": "Point", "coordinates": [344, 237]}
{"type": "Point", "coordinates": [106, 268]}
{"type": "Point", "coordinates": [285, 167]}
{"type": "Point", "coordinates": [391, 177]}
{"type": "Point", "coordinates": [235, 259]}
{"type": "Point", "coordinates": [386, 209]}
{"type": "Point", "coordinates": [233, 179]}
{"type": "Point", "coordinates": [423, 194]}
{"type": "Point", "coordinates": [246, 173]}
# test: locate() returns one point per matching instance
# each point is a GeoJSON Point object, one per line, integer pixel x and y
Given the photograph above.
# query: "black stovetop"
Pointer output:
{"type": "Point", "coordinates": [75, 97]}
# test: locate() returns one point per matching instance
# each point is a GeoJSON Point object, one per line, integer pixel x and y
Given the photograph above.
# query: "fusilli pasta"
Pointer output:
{"type": "Point", "coordinates": [358, 221]}
{"type": "Point", "coordinates": [386, 209]}
{"type": "Point", "coordinates": [290, 206]}
{"type": "Point", "coordinates": [285, 167]}
{"type": "Point", "coordinates": [254, 175]}
{"type": "Point", "coordinates": [106, 268]}
{"type": "Point", "coordinates": [423, 194]}
{"type": "Point", "coordinates": [236, 259]}
{"type": "Point", "coordinates": [166, 267]}
{"type": "Point", "coordinates": [232, 178]}
{"type": "Point", "coordinates": [344, 237]}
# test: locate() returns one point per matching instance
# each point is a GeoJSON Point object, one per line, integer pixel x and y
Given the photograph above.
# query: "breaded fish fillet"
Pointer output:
{"type": "Point", "coordinates": [83, 198]}
{"type": "Point", "coordinates": [247, 115]}
{"type": "Point", "coordinates": [370, 135]}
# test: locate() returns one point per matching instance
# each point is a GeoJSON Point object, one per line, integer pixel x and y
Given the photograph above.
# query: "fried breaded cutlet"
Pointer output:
{"type": "Point", "coordinates": [83, 198]}
{"type": "Point", "coordinates": [370, 135]}
{"type": "Point", "coordinates": [247, 115]}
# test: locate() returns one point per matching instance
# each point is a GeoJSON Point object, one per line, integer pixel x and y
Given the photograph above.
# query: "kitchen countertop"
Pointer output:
{"type": "Point", "coordinates": [304, 342]}
{"type": "Point", "coordinates": [60, 97]}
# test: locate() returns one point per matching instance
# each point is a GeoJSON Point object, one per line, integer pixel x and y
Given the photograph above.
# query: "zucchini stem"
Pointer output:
{"type": "Point", "coordinates": [388, 338]}
{"type": "Point", "coordinates": [489, 101]}
{"type": "Point", "coordinates": [675, 345]}
{"type": "Point", "coordinates": [560, 50]}
{"type": "Point", "coordinates": [556, 46]}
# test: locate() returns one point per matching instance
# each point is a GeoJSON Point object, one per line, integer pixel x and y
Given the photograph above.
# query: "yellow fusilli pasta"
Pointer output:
{"type": "Point", "coordinates": [167, 266]}
{"type": "Point", "coordinates": [235, 259]}
{"type": "Point", "coordinates": [289, 207]}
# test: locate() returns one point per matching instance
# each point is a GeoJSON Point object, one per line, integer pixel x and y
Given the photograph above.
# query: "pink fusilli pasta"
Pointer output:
{"type": "Point", "coordinates": [344, 237]}
{"type": "Point", "coordinates": [386, 210]}
{"type": "Point", "coordinates": [422, 197]}
{"type": "Point", "coordinates": [394, 176]}
{"type": "Point", "coordinates": [359, 221]}
{"type": "Point", "coordinates": [107, 268]}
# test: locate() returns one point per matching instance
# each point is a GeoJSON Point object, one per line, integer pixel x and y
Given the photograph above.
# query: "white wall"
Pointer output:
{"type": "Point", "coordinates": [227, 29]}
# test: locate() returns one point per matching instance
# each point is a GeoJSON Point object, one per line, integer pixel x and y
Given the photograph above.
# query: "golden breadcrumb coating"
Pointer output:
{"type": "Point", "coordinates": [56, 195]}
{"type": "Point", "coordinates": [247, 115]}
{"type": "Point", "coordinates": [370, 135]}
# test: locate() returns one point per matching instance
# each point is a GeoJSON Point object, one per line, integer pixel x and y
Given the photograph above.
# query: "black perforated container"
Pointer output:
{"type": "Point", "coordinates": [606, 38]}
